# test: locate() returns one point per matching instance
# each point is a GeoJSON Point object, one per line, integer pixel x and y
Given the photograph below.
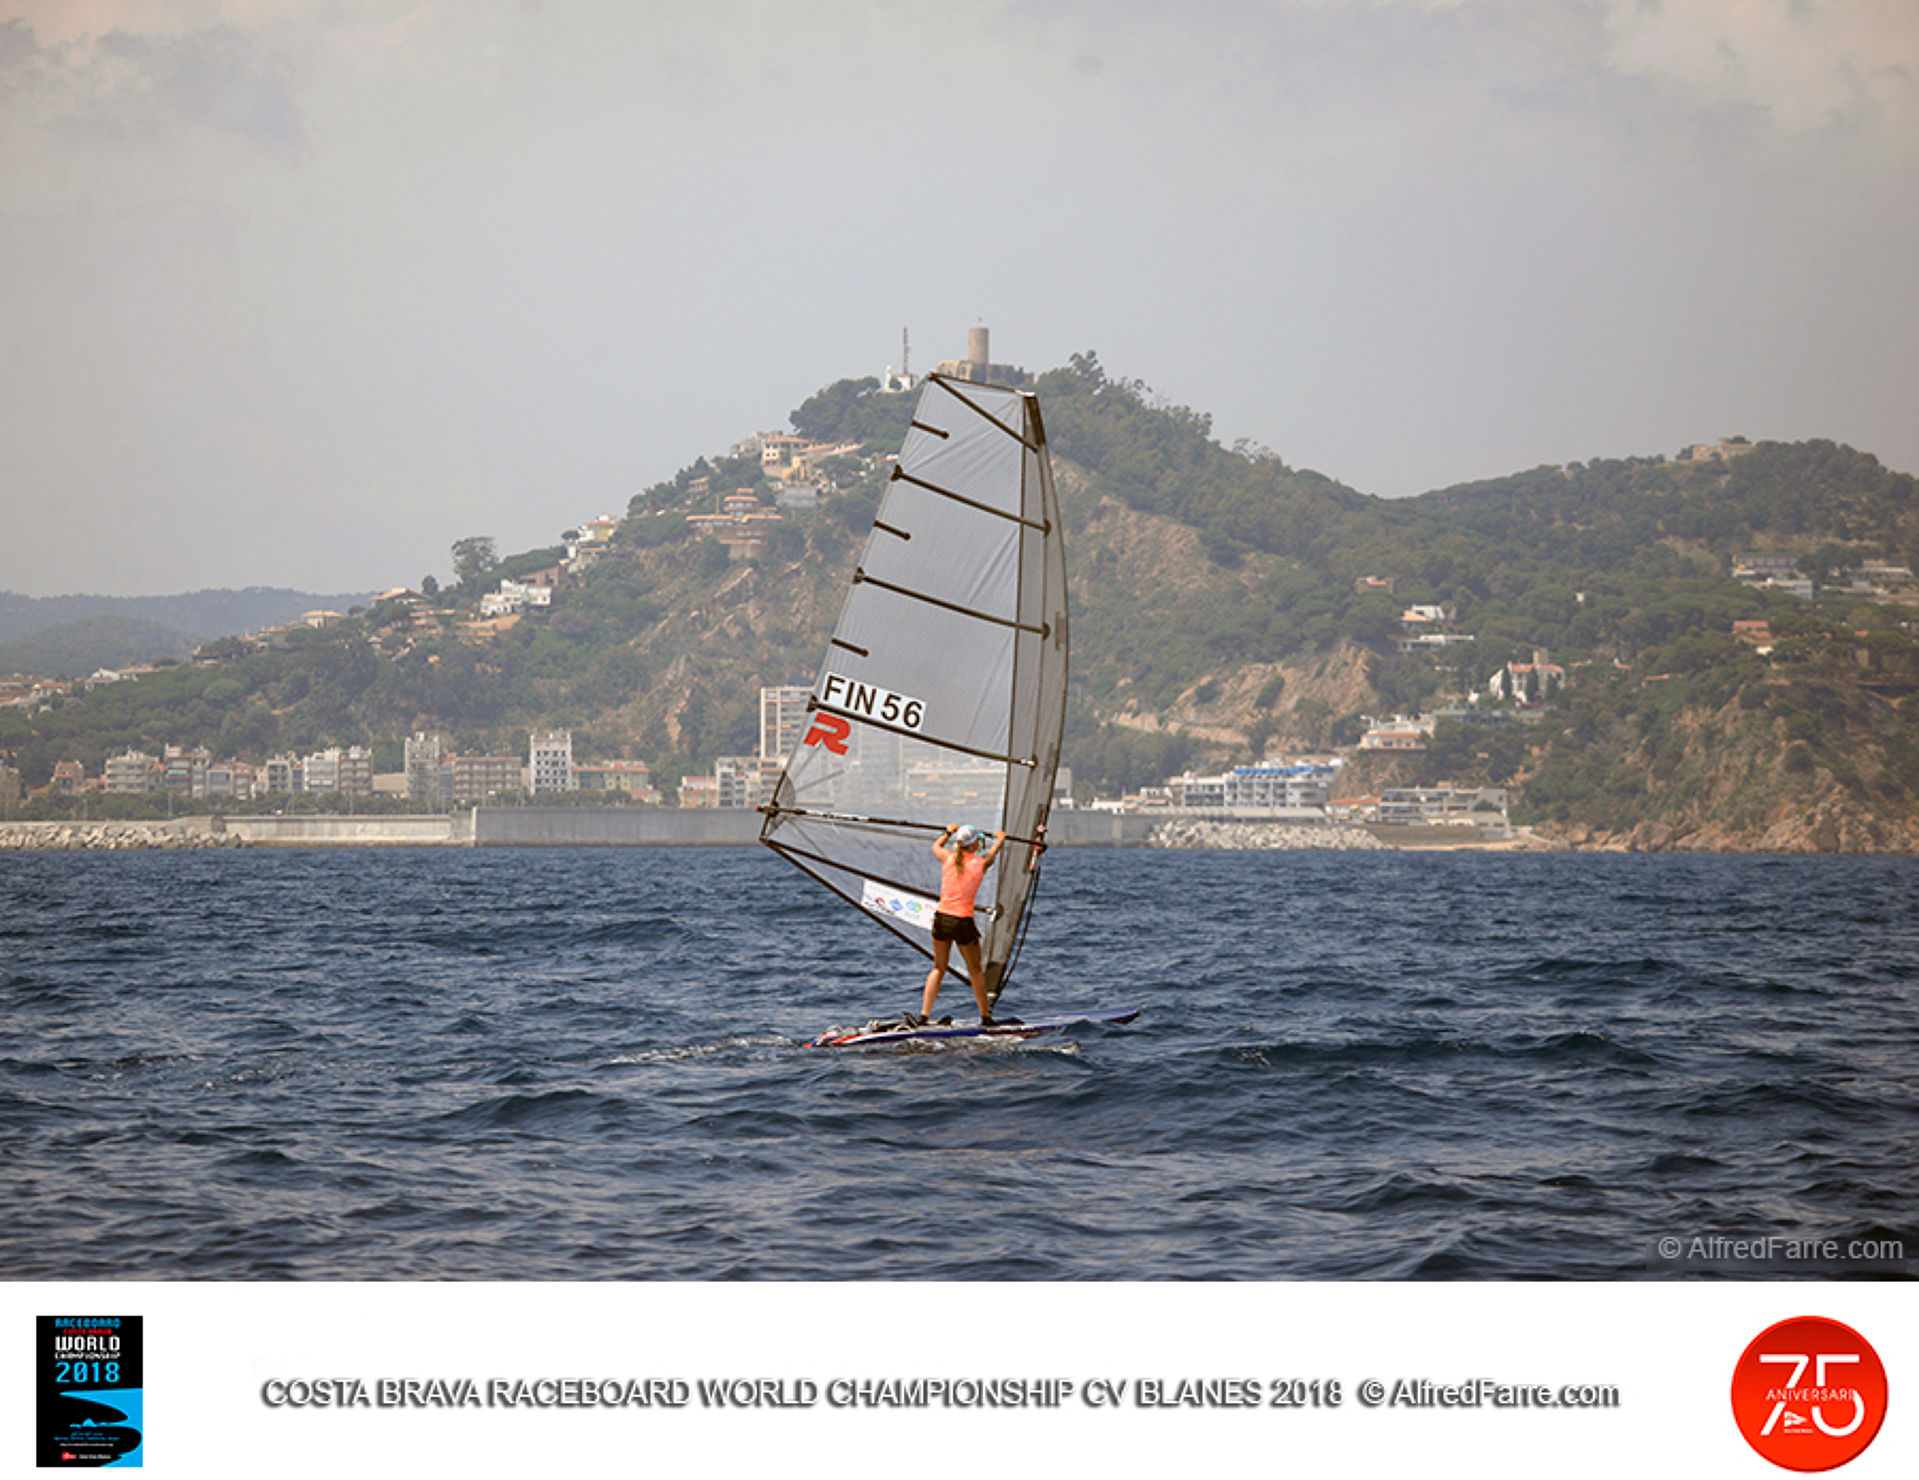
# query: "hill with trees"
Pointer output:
{"type": "Point", "coordinates": [1225, 606]}
{"type": "Point", "coordinates": [69, 636]}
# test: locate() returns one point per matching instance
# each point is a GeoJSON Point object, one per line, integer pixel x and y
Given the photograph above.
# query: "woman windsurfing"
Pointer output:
{"type": "Point", "coordinates": [964, 856]}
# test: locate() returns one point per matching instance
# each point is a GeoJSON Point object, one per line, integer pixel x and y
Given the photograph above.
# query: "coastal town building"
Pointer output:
{"type": "Point", "coordinates": [1422, 628]}
{"type": "Point", "coordinates": [1429, 641]}
{"type": "Point", "coordinates": [1146, 799]}
{"type": "Point", "coordinates": [550, 761]}
{"type": "Point", "coordinates": [518, 596]}
{"type": "Point", "coordinates": [632, 779]}
{"type": "Point", "coordinates": [583, 546]}
{"type": "Point", "coordinates": [1303, 784]}
{"type": "Point", "coordinates": [134, 774]}
{"type": "Point", "coordinates": [320, 772]}
{"type": "Point", "coordinates": [230, 781]}
{"type": "Point", "coordinates": [184, 772]}
{"type": "Point", "coordinates": [1424, 806]}
{"type": "Point", "coordinates": [1724, 450]}
{"type": "Point", "coordinates": [783, 718]}
{"type": "Point", "coordinates": [427, 777]}
{"type": "Point", "coordinates": [437, 775]}
{"type": "Point", "coordinates": [353, 771]}
{"type": "Point", "coordinates": [434, 776]}
{"type": "Point", "coordinates": [1527, 683]}
{"type": "Point", "coordinates": [1880, 579]}
{"type": "Point", "coordinates": [478, 778]}
{"type": "Point", "coordinates": [30, 692]}
{"type": "Point", "coordinates": [346, 771]}
{"type": "Point", "coordinates": [955, 787]}
{"type": "Point", "coordinates": [740, 524]}
{"type": "Point", "coordinates": [1429, 804]}
{"type": "Point", "coordinates": [978, 365]}
{"type": "Point", "coordinates": [1397, 733]}
{"type": "Point", "coordinates": [1772, 572]}
{"type": "Point", "coordinates": [737, 781]}
{"type": "Point", "coordinates": [789, 459]}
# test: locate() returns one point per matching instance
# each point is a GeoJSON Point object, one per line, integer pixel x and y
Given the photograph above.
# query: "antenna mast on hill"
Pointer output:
{"type": "Point", "coordinates": [906, 357]}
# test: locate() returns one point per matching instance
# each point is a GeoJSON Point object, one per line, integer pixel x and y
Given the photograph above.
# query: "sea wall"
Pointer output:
{"type": "Point", "coordinates": [439, 829]}
{"type": "Point", "coordinates": [703, 827]}
{"type": "Point", "coordinates": [691, 827]}
{"type": "Point", "coordinates": [655, 827]}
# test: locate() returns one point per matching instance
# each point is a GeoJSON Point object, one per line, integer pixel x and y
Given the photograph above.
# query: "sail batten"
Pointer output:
{"type": "Point", "coordinates": [960, 498]}
{"type": "Point", "coordinates": [941, 698]}
{"type": "Point", "coordinates": [951, 387]}
{"type": "Point", "coordinates": [864, 579]}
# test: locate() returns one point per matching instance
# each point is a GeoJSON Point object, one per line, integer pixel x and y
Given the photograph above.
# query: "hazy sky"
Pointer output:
{"type": "Point", "coordinates": [297, 292]}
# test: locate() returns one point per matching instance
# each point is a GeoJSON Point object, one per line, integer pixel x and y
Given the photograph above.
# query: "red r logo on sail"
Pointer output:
{"type": "Point", "coordinates": [831, 731]}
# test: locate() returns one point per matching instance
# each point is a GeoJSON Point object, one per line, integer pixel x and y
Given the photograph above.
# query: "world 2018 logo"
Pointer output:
{"type": "Point", "coordinates": [1809, 1394]}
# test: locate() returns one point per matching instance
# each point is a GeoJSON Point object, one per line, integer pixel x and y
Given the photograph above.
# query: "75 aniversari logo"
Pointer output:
{"type": "Point", "coordinates": [1809, 1394]}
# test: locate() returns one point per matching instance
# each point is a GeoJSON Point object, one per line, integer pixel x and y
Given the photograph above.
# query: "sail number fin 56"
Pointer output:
{"type": "Point", "coordinates": [865, 701]}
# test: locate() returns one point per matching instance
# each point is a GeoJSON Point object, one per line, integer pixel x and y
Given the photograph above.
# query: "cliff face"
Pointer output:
{"type": "Point", "coordinates": [1148, 607]}
{"type": "Point", "coordinates": [1763, 773]}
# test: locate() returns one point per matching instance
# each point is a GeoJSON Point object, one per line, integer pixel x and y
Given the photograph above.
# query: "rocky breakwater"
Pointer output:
{"type": "Point", "coordinates": [1184, 832]}
{"type": "Point", "coordinates": [68, 836]}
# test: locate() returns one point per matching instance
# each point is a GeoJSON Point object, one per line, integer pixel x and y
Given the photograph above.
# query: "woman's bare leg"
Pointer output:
{"type": "Point", "coordinates": [976, 974]}
{"type": "Point", "coordinates": [942, 952]}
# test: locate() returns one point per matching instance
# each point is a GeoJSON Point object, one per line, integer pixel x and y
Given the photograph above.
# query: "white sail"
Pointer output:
{"type": "Point", "coordinates": [943, 692]}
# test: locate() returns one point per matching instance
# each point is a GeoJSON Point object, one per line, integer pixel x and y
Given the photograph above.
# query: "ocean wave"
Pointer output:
{"type": "Point", "coordinates": [434, 1066]}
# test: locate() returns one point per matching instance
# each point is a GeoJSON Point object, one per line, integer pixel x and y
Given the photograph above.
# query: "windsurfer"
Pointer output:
{"type": "Point", "coordinates": [964, 856]}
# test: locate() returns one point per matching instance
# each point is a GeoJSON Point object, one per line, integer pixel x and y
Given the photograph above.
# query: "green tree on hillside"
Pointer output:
{"type": "Point", "coordinates": [856, 411]}
{"type": "Point", "coordinates": [473, 556]}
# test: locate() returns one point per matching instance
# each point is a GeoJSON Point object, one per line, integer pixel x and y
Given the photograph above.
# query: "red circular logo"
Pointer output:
{"type": "Point", "coordinates": [1809, 1394]}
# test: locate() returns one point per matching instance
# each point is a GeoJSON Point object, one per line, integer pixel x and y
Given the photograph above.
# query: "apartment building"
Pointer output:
{"type": "Point", "coordinates": [550, 761]}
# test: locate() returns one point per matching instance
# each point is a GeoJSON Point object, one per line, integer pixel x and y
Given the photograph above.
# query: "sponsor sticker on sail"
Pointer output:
{"type": "Point", "coordinates": [896, 904]}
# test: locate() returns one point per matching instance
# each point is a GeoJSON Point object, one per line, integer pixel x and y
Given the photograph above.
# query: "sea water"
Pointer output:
{"type": "Point", "coordinates": [589, 1064]}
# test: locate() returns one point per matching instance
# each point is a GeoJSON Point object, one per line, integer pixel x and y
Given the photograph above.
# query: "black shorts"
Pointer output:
{"type": "Point", "coordinates": [958, 928]}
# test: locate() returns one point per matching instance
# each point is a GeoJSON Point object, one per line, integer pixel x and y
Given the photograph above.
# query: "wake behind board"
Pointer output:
{"type": "Point", "coordinates": [897, 1031]}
